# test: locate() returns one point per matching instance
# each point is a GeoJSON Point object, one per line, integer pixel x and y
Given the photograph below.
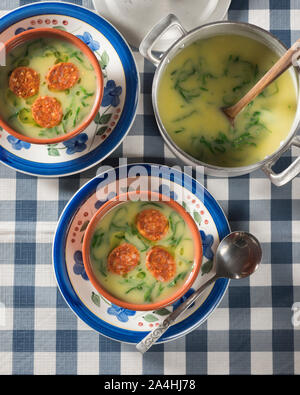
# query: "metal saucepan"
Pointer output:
{"type": "Point", "coordinates": [205, 31]}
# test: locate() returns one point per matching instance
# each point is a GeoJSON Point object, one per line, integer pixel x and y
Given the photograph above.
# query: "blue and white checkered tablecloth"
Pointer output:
{"type": "Point", "coordinates": [250, 333]}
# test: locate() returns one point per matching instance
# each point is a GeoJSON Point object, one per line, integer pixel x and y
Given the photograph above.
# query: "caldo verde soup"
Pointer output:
{"type": "Point", "coordinates": [47, 88]}
{"type": "Point", "coordinates": [214, 73]}
{"type": "Point", "coordinates": [142, 252]}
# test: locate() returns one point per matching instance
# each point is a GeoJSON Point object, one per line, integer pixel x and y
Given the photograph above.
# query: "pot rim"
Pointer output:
{"type": "Point", "coordinates": [187, 157]}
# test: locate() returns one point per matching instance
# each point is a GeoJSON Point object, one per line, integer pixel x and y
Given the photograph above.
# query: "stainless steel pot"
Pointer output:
{"type": "Point", "coordinates": [205, 31]}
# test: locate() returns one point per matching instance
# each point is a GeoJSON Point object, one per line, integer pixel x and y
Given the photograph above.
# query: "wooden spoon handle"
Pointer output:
{"type": "Point", "coordinates": [279, 67]}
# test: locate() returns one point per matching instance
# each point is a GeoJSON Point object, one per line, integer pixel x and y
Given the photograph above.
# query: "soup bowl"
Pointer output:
{"type": "Point", "coordinates": [208, 31]}
{"type": "Point", "coordinates": [144, 196]}
{"type": "Point", "coordinates": [60, 35]}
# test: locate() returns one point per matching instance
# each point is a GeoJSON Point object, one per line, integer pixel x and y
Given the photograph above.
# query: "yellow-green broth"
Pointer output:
{"type": "Point", "coordinates": [41, 55]}
{"type": "Point", "coordinates": [216, 72]}
{"type": "Point", "coordinates": [139, 286]}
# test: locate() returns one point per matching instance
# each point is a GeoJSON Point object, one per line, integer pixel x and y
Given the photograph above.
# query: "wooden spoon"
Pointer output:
{"type": "Point", "coordinates": [279, 67]}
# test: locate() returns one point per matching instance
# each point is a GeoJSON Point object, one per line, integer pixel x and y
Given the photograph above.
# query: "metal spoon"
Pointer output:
{"type": "Point", "coordinates": [290, 57]}
{"type": "Point", "coordinates": [238, 255]}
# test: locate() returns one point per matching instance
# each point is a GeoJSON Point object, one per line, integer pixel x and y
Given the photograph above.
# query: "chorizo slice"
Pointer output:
{"type": "Point", "coordinates": [161, 264]}
{"type": "Point", "coordinates": [152, 224]}
{"type": "Point", "coordinates": [47, 111]}
{"type": "Point", "coordinates": [24, 82]}
{"type": "Point", "coordinates": [123, 259]}
{"type": "Point", "coordinates": [62, 76]}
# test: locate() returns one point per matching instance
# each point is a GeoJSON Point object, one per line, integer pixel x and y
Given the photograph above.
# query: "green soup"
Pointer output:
{"type": "Point", "coordinates": [139, 286]}
{"type": "Point", "coordinates": [76, 102]}
{"type": "Point", "coordinates": [214, 73]}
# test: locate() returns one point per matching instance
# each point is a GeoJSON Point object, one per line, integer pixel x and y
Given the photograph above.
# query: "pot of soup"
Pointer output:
{"type": "Point", "coordinates": [211, 67]}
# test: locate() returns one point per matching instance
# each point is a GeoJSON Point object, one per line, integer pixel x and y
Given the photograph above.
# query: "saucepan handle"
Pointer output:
{"type": "Point", "coordinates": [289, 173]}
{"type": "Point", "coordinates": [146, 46]}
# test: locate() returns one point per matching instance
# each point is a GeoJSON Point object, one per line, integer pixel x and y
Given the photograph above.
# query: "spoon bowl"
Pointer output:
{"type": "Point", "coordinates": [238, 255]}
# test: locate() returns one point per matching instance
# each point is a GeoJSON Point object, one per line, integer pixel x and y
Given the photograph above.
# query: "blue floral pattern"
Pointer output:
{"type": "Point", "coordinates": [21, 30]}
{"type": "Point", "coordinates": [99, 203]}
{"type": "Point", "coordinates": [76, 144]}
{"type": "Point", "coordinates": [111, 94]}
{"type": "Point", "coordinates": [18, 144]}
{"type": "Point", "coordinates": [78, 268]}
{"type": "Point", "coordinates": [165, 190]}
{"type": "Point", "coordinates": [89, 41]}
{"type": "Point", "coordinates": [121, 313]}
{"type": "Point", "coordinates": [207, 242]}
{"type": "Point", "coordinates": [183, 299]}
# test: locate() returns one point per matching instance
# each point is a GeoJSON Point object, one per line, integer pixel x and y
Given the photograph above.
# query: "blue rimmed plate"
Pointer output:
{"type": "Point", "coordinates": [108, 319]}
{"type": "Point", "coordinates": [121, 89]}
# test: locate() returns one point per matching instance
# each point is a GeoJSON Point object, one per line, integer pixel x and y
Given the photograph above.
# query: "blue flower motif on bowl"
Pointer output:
{"type": "Point", "coordinates": [89, 41]}
{"type": "Point", "coordinates": [78, 268]}
{"type": "Point", "coordinates": [99, 203]}
{"type": "Point", "coordinates": [76, 144]}
{"type": "Point", "coordinates": [183, 299]}
{"type": "Point", "coordinates": [111, 94]}
{"type": "Point", "coordinates": [207, 242]}
{"type": "Point", "coordinates": [18, 144]}
{"type": "Point", "coordinates": [165, 190]}
{"type": "Point", "coordinates": [121, 313]}
{"type": "Point", "coordinates": [21, 30]}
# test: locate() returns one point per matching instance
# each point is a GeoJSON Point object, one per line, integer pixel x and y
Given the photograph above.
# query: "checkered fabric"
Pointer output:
{"type": "Point", "coordinates": [251, 332]}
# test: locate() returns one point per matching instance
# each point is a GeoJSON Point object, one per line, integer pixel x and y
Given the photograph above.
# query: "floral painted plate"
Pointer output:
{"type": "Point", "coordinates": [108, 319]}
{"type": "Point", "coordinates": [118, 108]}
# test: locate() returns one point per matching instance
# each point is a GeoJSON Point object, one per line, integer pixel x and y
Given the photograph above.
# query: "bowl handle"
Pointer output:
{"type": "Point", "coordinates": [155, 34]}
{"type": "Point", "coordinates": [289, 173]}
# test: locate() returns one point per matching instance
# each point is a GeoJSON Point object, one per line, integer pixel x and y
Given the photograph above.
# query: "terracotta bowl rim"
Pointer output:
{"type": "Point", "coordinates": [119, 199]}
{"type": "Point", "coordinates": [57, 33]}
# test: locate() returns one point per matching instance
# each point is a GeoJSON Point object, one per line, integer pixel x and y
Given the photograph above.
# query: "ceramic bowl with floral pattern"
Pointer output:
{"type": "Point", "coordinates": [25, 39]}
